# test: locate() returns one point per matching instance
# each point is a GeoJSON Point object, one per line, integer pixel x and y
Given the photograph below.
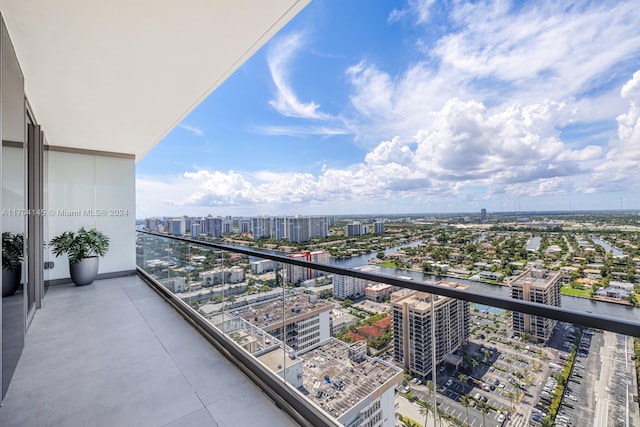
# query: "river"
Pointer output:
{"type": "Point", "coordinates": [533, 244]}
{"type": "Point", "coordinates": [607, 247]}
{"type": "Point", "coordinates": [572, 303]}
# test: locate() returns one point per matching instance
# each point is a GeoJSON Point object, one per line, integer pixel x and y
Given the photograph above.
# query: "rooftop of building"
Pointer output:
{"type": "Point", "coordinates": [384, 323]}
{"type": "Point", "coordinates": [335, 380]}
{"type": "Point", "coordinates": [378, 287]}
{"type": "Point", "coordinates": [372, 331]}
{"type": "Point", "coordinates": [277, 358]}
{"type": "Point", "coordinates": [355, 337]}
{"type": "Point", "coordinates": [421, 301]}
{"type": "Point", "coordinates": [296, 307]}
{"type": "Point", "coordinates": [536, 278]}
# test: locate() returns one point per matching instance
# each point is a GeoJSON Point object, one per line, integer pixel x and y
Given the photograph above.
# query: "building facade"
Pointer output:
{"type": "Point", "coordinates": [297, 274]}
{"type": "Point", "coordinates": [412, 322]}
{"type": "Point", "coordinates": [543, 287]}
{"type": "Point", "coordinates": [378, 292]}
{"type": "Point", "coordinates": [302, 322]}
{"type": "Point", "coordinates": [353, 287]}
{"type": "Point", "coordinates": [222, 275]}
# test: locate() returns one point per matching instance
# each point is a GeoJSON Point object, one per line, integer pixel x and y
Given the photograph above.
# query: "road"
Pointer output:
{"type": "Point", "coordinates": [600, 387]}
{"type": "Point", "coordinates": [412, 410]}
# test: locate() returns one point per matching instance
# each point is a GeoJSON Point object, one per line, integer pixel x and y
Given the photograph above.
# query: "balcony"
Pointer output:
{"type": "Point", "coordinates": [116, 354]}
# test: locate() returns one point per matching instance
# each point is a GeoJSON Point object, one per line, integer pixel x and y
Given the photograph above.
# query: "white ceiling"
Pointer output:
{"type": "Point", "coordinates": [118, 75]}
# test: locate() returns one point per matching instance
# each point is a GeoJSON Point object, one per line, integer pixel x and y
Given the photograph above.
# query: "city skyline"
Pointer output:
{"type": "Point", "coordinates": [415, 107]}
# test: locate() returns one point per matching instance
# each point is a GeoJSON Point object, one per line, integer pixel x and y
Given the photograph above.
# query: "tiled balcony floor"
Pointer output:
{"type": "Point", "coordinates": [114, 353]}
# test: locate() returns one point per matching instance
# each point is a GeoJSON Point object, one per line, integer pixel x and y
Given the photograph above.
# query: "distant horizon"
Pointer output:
{"type": "Point", "coordinates": [418, 106]}
{"type": "Point", "coordinates": [405, 214]}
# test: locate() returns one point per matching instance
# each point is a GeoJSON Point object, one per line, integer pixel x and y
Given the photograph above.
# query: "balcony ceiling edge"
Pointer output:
{"type": "Point", "coordinates": [118, 76]}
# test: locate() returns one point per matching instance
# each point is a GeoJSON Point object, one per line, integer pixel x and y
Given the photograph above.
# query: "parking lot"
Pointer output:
{"type": "Point", "coordinates": [499, 372]}
{"type": "Point", "coordinates": [515, 382]}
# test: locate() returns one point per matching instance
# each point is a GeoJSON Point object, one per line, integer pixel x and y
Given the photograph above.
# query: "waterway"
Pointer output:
{"type": "Point", "coordinates": [573, 303]}
{"type": "Point", "coordinates": [533, 244]}
{"type": "Point", "coordinates": [607, 247]}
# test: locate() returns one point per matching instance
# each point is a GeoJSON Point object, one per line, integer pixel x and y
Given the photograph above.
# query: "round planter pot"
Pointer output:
{"type": "Point", "coordinates": [11, 281]}
{"type": "Point", "coordinates": [84, 272]}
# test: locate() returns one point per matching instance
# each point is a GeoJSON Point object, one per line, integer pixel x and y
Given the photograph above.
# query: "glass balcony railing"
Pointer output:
{"type": "Point", "coordinates": [355, 347]}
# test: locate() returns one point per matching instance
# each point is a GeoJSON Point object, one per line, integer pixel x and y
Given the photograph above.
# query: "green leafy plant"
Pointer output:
{"type": "Point", "coordinates": [79, 245]}
{"type": "Point", "coordinates": [12, 250]}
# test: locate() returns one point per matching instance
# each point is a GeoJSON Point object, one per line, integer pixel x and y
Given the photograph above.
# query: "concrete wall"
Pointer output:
{"type": "Point", "coordinates": [91, 190]}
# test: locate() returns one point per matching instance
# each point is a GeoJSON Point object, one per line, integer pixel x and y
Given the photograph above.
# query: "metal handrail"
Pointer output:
{"type": "Point", "coordinates": [621, 326]}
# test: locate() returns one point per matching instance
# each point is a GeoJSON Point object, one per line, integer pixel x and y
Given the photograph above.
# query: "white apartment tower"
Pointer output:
{"type": "Point", "coordinates": [541, 286]}
{"type": "Point", "coordinates": [261, 227]}
{"type": "Point", "coordinates": [412, 328]}
{"type": "Point", "coordinates": [349, 287]}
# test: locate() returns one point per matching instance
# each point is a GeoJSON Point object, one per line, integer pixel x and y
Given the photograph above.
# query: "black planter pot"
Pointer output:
{"type": "Point", "coordinates": [11, 281]}
{"type": "Point", "coordinates": [84, 272]}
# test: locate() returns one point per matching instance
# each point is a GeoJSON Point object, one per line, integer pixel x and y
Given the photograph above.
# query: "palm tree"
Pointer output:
{"type": "Point", "coordinates": [425, 409]}
{"type": "Point", "coordinates": [408, 422]}
{"type": "Point", "coordinates": [510, 395]}
{"type": "Point", "coordinates": [466, 402]}
{"type": "Point", "coordinates": [484, 409]}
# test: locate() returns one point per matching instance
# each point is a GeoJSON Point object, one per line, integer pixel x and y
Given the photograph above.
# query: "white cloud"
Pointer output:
{"type": "Point", "coordinates": [194, 130]}
{"type": "Point", "coordinates": [420, 8]}
{"type": "Point", "coordinates": [466, 146]}
{"type": "Point", "coordinates": [480, 115]}
{"type": "Point", "coordinates": [286, 102]}
{"type": "Point", "coordinates": [515, 54]}
{"type": "Point", "coordinates": [629, 123]}
{"type": "Point", "coordinates": [300, 131]}
{"type": "Point", "coordinates": [543, 47]}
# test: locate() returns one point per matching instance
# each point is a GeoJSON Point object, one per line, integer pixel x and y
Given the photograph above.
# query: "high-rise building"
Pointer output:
{"type": "Point", "coordinates": [152, 224]}
{"type": "Point", "coordinates": [196, 229]}
{"type": "Point", "coordinates": [261, 227]}
{"type": "Point", "coordinates": [297, 274]}
{"type": "Point", "coordinates": [244, 226]}
{"type": "Point", "coordinates": [535, 285]}
{"type": "Point", "coordinates": [298, 229]}
{"type": "Point", "coordinates": [213, 227]}
{"type": "Point", "coordinates": [483, 215]}
{"type": "Point", "coordinates": [354, 229]}
{"type": "Point", "coordinates": [279, 228]}
{"type": "Point", "coordinates": [351, 287]}
{"type": "Point", "coordinates": [227, 226]}
{"type": "Point", "coordinates": [318, 227]}
{"type": "Point", "coordinates": [412, 328]}
{"type": "Point", "coordinates": [177, 226]}
{"type": "Point", "coordinates": [378, 227]}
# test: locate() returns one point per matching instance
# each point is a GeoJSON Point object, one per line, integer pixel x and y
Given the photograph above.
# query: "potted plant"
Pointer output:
{"type": "Point", "coordinates": [84, 249]}
{"type": "Point", "coordinates": [12, 254]}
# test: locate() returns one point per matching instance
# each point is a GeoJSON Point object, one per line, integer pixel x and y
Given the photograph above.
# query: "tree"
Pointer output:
{"type": "Point", "coordinates": [510, 395]}
{"type": "Point", "coordinates": [425, 409]}
{"type": "Point", "coordinates": [408, 422]}
{"type": "Point", "coordinates": [465, 401]}
{"type": "Point", "coordinates": [484, 409]}
{"type": "Point", "coordinates": [347, 303]}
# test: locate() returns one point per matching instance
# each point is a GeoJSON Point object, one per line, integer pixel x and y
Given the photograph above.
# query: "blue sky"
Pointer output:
{"type": "Point", "coordinates": [368, 106]}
